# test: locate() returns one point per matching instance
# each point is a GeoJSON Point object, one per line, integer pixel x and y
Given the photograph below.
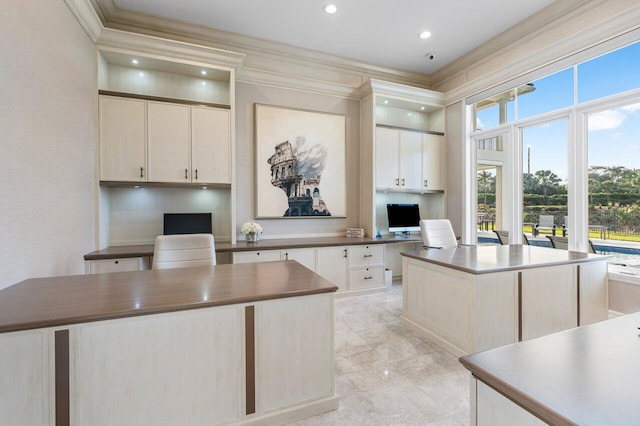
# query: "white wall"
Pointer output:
{"type": "Point", "coordinates": [48, 113]}
{"type": "Point", "coordinates": [246, 96]}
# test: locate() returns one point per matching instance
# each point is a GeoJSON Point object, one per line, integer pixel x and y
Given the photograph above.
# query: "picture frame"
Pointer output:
{"type": "Point", "coordinates": [300, 163]}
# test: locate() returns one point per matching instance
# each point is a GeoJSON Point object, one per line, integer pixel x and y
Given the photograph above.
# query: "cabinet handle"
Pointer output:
{"type": "Point", "coordinates": [286, 256]}
{"type": "Point", "coordinates": [368, 255]}
{"type": "Point", "coordinates": [116, 262]}
{"type": "Point", "coordinates": [368, 278]}
{"type": "Point", "coordinates": [185, 174]}
{"type": "Point", "coordinates": [345, 253]}
{"type": "Point", "coordinates": [258, 253]}
{"type": "Point", "coordinates": [402, 181]}
{"type": "Point", "coordinates": [196, 174]}
{"type": "Point", "coordinates": [425, 183]}
{"type": "Point", "coordinates": [397, 182]}
{"type": "Point", "coordinates": [141, 172]}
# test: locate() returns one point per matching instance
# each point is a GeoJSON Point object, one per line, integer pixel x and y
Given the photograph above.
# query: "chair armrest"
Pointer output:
{"type": "Point", "coordinates": [430, 247]}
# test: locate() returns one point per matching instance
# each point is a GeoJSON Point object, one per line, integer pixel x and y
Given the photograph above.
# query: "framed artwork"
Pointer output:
{"type": "Point", "coordinates": [300, 163]}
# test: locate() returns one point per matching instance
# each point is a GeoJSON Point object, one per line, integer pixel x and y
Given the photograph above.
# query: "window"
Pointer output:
{"type": "Point", "coordinates": [546, 94]}
{"type": "Point", "coordinates": [494, 111]}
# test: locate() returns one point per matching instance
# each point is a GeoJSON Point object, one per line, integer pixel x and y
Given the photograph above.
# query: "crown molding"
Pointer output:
{"type": "Point", "coordinates": [401, 91]}
{"type": "Point", "coordinates": [165, 48]}
{"type": "Point", "coordinates": [90, 19]}
{"type": "Point", "coordinates": [553, 41]}
{"type": "Point", "coordinates": [261, 55]}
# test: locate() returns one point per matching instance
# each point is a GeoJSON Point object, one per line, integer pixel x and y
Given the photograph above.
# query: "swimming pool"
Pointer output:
{"type": "Point", "coordinates": [627, 255]}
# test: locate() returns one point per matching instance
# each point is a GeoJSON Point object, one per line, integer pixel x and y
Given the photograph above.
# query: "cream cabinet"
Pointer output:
{"type": "Point", "coordinates": [350, 268]}
{"type": "Point", "coordinates": [333, 265]}
{"type": "Point", "coordinates": [123, 139]}
{"type": "Point", "coordinates": [144, 140]}
{"type": "Point", "coordinates": [168, 142]}
{"type": "Point", "coordinates": [432, 160]}
{"type": "Point", "coordinates": [128, 264]}
{"type": "Point", "coordinates": [398, 159]}
{"type": "Point", "coordinates": [305, 256]}
{"type": "Point", "coordinates": [409, 160]}
{"type": "Point", "coordinates": [210, 144]}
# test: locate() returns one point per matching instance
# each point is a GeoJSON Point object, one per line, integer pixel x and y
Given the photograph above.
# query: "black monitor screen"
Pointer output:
{"type": "Point", "coordinates": [187, 223]}
{"type": "Point", "coordinates": [403, 216]}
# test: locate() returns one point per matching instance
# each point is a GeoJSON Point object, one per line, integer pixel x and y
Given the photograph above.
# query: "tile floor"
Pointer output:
{"type": "Point", "coordinates": [386, 374]}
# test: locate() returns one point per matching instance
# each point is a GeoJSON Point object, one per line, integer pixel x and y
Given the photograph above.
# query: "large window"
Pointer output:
{"type": "Point", "coordinates": [614, 174]}
{"type": "Point", "coordinates": [546, 176]}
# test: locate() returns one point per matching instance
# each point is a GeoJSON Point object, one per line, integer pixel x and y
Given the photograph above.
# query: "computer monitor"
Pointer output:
{"type": "Point", "coordinates": [188, 223]}
{"type": "Point", "coordinates": [403, 218]}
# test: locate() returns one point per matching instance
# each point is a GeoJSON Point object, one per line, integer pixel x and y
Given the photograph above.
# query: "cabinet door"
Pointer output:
{"type": "Point", "coordinates": [169, 142]}
{"type": "Point", "coordinates": [387, 141]}
{"type": "Point", "coordinates": [333, 265]}
{"type": "Point", "coordinates": [410, 160]}
{"type": "Point", "coordinates": [123, 139]}
{"type": "Point", "coordinates": [210, 145]}
{"type": "Point", "coordinates": [306, 257]}
{"type": "Point", "coordinates": [433, 162]}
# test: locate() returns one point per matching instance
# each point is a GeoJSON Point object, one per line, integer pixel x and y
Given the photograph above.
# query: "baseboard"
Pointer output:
{"type": "Point", "coordinates": [350, 293]}
{"type": "Point", "coordinates": [613, 314]}
{"type": "Point", "coordinates": [453, 350]}
{"type": "Point", "coordinates": [295, 413]}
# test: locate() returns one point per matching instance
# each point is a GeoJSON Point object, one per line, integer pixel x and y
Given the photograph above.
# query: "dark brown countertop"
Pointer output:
{"type": "Point", "coordinates": [56, 301]}
{"type": "Point", "coordinates": [268, 244]}
{"type": "Point", "coordinates": [586, 375]}
{"type": "Point", "coordinates": [491, 258]}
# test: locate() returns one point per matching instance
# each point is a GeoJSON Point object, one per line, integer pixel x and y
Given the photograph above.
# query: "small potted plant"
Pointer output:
{"type": "Point", "coordinates": [251, 231]}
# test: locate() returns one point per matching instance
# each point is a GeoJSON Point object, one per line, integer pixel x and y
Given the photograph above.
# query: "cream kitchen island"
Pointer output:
{"type": "Point", "coordinates": [470, 299]}
{"type": "Point", "coordinates": [227, 344]}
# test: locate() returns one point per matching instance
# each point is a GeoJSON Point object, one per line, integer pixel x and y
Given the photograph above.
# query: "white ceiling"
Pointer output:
{"type": "Point", "coordinates": [379, 32]}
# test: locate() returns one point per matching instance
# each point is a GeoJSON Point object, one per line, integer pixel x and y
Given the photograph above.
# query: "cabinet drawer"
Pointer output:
{"type": "Point", "coordinates": [366, 255]}
{"type": "Point", "coordinates": [366, 278]}
{"type": "Point", "coordinates": [256, 256]}
{"type": "Point", "coordinates": [116, 265]}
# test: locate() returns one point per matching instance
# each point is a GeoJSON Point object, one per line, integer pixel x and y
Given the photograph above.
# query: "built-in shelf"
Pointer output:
{"type": "Point", "coordinates": [161, 99]}
{"type": "Point", "coordinates": [427, 132]}
{"type": "Point", "coordinates": [112, 183]}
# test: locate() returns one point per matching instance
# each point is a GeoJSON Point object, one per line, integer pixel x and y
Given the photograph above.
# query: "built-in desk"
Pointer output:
{"type": "Point", "coordinates": [470, 299]}
{"type": "Point", "coordinates": [584, 376]}
{"type": "Point", "coordinates": [198, 346]}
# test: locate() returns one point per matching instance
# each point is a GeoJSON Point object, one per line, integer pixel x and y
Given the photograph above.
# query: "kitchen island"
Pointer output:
{"type": "Point", "coordinates": [198, 346]}
{"type": "Point", "coordinates": [584, 376]}
{"type": "Point", "coordinates": [469, 299]}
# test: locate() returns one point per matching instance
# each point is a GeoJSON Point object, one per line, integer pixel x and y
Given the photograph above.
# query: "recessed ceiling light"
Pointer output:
{"type": "Point", "coordinates": [134, 61]}
{"type": "Point", "coordinates": [386, 101]}
{"type": "Point", "coordinates": [421, 108]}
{"type": "Point", "coordinates": [425, 35]}
{"type": "Point", "coordinates": [330, 8]}
{"type": "Point", "coordinates": [203, 72]}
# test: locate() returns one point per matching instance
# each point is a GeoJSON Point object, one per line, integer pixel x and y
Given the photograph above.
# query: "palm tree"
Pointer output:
{"type": "Point", "coordinates": [486, 181]}
{"type": "Point", "coordinates": [547, 179]}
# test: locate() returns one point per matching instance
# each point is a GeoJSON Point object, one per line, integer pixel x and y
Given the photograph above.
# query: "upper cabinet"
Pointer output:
{"type": "Point", "coordinates": [123, 139]}
{"type": "Point", "coordinates": [399, 160]}
{"type": "Point", "coordinates": [210, 144]}
{"type": "Point", "coordinates": [433, 160]}
{"type": "Point", "coordinates": [164, 142]}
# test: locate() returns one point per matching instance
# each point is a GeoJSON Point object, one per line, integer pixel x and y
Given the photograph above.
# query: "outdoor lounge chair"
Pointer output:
{"type": "Point", "coordinates": [545, 222]}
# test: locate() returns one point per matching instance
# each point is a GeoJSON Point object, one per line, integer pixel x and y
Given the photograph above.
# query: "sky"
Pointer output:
{"type": "Point", "coordinates": [614, 134]}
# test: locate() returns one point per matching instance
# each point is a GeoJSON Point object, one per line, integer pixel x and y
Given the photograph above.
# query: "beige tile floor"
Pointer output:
{"type": "Point", "coordinates": [386, 374]}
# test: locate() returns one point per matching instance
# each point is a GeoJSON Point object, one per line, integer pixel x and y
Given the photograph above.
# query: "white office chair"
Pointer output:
{"type": "Point", "coordinates": [183, 251]}
{"type": "Point", "coordinates": [438, 233]}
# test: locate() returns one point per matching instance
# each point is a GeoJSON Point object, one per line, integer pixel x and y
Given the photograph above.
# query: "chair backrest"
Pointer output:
{"type": "Point", "coordinates": [503, 237]}
{"type": "Point", "coordinates": [525, 240]}
{"type": "Point", "coordinates": [438, 233]}
{"type": "Point", "coordinates": [592, 248]}
{"type": "Point", "coordinates": [559, 242]}
{"type": "Point", "coordinates": [183, 251]}
{"type": "Point", "coordinates": [546, 221]}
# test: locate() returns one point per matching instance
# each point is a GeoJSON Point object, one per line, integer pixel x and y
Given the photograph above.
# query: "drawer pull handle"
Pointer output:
{"type": "Point", "coordinates": [368, 255]}
{"type": "Point", "coordinates": [368, 278]}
